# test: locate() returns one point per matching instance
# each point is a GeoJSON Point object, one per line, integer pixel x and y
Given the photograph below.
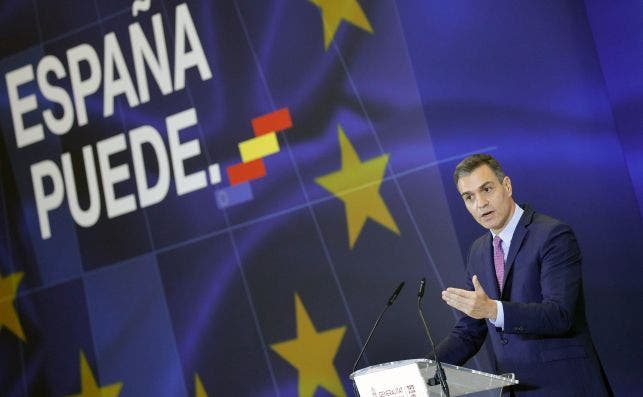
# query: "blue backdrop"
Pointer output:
{"type": "Point", "coordinates": [217, 198]}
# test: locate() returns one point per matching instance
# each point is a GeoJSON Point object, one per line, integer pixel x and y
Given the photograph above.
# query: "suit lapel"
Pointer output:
{"type": "Point", "coordinates": [516, 241]}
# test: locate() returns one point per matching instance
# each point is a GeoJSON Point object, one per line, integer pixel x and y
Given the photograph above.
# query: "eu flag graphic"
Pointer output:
{"type": "Point", "coordinates": [214, 198]}
{"type": "Point", "coordinates": [206, 196]}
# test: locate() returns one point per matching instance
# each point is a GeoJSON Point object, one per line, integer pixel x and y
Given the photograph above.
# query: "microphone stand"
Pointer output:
{"type": "Point", "coordinates": [388, 304]}
{"type": "Point", "coordinates": [439, 377]}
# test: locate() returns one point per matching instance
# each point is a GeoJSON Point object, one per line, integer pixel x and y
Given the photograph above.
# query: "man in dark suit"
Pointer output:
{"type": "Point", "coordinates": [524, 290]}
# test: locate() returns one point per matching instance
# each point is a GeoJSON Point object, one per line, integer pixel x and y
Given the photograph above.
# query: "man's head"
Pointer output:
{"type": "Point", "coordinates": [486, 191]}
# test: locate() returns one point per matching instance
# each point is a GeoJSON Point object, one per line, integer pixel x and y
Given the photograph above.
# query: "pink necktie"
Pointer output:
{"type": "Point", "coordinates": [498, 260]}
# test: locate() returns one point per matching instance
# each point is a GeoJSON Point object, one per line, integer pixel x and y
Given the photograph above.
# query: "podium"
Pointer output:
{"type": "Point", "coordinates": [408, 378]}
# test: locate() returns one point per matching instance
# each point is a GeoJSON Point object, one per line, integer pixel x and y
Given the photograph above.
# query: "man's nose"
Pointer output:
{"type": "Point", "coordinates": [481, 202]}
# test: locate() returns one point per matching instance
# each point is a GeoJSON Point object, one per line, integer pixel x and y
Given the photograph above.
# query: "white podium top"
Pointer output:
{"type": "Point", "coordinates": [408, 378]}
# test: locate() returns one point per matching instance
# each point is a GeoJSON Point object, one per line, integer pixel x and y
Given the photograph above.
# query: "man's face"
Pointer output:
{"type": "Point", "coordinates": [488, 200]}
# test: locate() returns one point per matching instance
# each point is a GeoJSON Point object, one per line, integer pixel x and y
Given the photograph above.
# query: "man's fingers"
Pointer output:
{"type": "Point", "coordinates": [476, 283]}
{"type": "Point", "coordinates": [455, 300]}
{"type": "Point", "coordinates": [471, 303]}
{"type": "Point", "coordinates": [460, 292]}
{"type": "Point", "coordinates": [454, 303]}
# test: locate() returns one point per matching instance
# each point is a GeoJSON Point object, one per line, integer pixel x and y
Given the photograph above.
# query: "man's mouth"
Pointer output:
{"type": "Point", "coordinates": [486, 214]}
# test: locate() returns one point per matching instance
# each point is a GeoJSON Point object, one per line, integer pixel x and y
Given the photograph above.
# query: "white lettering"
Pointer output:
{"type": "Point", "coordinates": [143, 55]}
{"type": "Point", "coordinates": [148, 195]}
{"type": "Point", "coordinates": [184, 29]}
{"type": "Point", "coordinates": [89, 217]}
{"type": "Point", "coordinates": [55, 94]}
{"type": "Point", "coordinates": [20, 106]}
{"type": "Point", "coordinates": [113, 175]}
{"type": "Point", "coordinates": [83, 88]}
{"type": "Point", "coordinates": [46, 202]}
{"type": "Point", "coordinates": [113, 87]}
{"type": "Point", "coordinates": [183, 151]}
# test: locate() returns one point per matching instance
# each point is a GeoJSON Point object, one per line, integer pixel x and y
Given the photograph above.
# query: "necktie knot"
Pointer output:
{"type": "Point", "coordinates": [497, 242]}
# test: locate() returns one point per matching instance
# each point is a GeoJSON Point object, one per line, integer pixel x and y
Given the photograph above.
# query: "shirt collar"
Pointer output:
{"type": "Point", "coordinates": [507, 233]}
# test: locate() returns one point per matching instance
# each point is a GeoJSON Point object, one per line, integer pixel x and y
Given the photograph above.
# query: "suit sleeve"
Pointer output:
{"type": "Point", "coordinates": [465, 340]}
{"type": "Point", "coordinates": [560, 287]}
{"type": "Point", "coordinates": [467, 336]}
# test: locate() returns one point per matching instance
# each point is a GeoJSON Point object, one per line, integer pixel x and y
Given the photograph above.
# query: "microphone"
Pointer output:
{"type": "Point", "coordinates": [390, 301]}
{"type": "Point", "coordinates": [439, 377]}
{"type": "Point", "coordinates": [395, 294]}
{"type": "Point", "coordinates": [421, 290]}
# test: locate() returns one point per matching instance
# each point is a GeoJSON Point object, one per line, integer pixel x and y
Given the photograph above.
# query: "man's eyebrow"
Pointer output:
{"type": "Point", "coordinates": [479, 188]}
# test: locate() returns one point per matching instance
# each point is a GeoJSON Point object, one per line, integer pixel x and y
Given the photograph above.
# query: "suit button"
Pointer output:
{"type": "Point", "coordinates": [504, 341]}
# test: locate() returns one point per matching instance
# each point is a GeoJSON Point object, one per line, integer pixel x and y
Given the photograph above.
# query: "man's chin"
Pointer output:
{"type": "Point", "coordinates": [484, 224]}
{"type": "Point", "coordinates": [488, 225]}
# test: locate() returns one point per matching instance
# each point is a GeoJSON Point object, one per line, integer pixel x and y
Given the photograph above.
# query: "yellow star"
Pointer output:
{"type": "Point", "coordinates": [312, 353]}
{"type": "Point", "coordinates": [334, 11]}
{"type": "Point", "coordinates": [89, 388]}
{"type": "Point", "coordinates": [357, 184]}
{"type": "Point", "coordinates": [198, 386]}
{"type": "Point", "coordinates": [8, 316]}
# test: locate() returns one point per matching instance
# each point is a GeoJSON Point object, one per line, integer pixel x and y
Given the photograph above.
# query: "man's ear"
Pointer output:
{"type": "Point", "coordinates": [506, 183]}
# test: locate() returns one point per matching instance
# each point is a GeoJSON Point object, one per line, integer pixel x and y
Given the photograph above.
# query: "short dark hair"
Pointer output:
{"type": "Point", "coordinates": [471, 163]}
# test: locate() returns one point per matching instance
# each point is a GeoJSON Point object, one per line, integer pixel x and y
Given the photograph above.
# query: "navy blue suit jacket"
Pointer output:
{"type": "Point", "coordinates": [545, 341]}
